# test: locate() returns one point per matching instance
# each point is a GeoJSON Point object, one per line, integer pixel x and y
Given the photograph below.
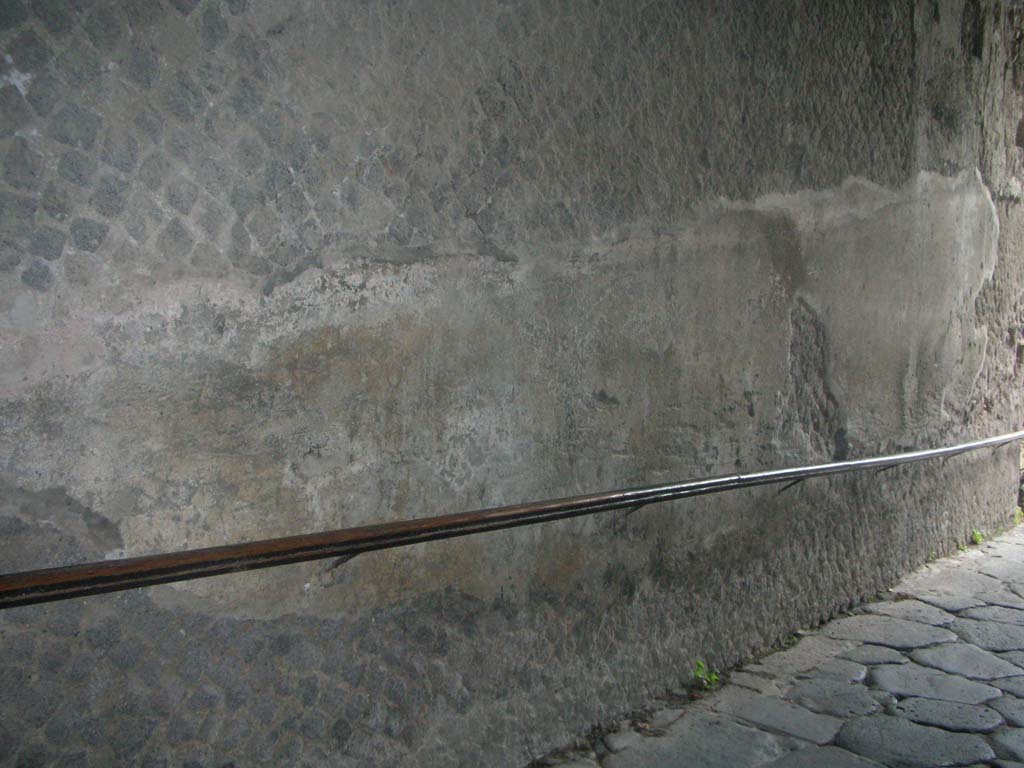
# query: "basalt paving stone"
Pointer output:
{"type": "Point", "coordinates": [702, 740]}
{"type": "Point", "coordinates": [1009, 742]}
{"type": "Point", "coordinates": [831, 697]}
{"type": "Point", "coordinates": [990, 635]}
{"type": "Point", "coordinates": [823, 757]}
{"type": "Point", "coordinates": [887, 631]}
{"type": "Point", "coordinates": [1014, 657]}
{"type": "Point", "coordinates": [966, 660]}
{"type": "Point", "coordinates": [1011, 708]}
{"type": "Point", "coordinates": [995, 613]}
{"type": "Point", "coordinates": [950, 603]}
{"type": "Point", "coordinates": [1012, 685]}
{"type": "Point", "coordinates": [899, 743]}
{"type": "Point", "coordinates": [915, 680]}
{"type": "Point", "coordinates": [1005, 569]}
{"type": "Point", "coordinates": [875, 654]}
{"type": "Point", "coordinates": [950, 716]}
{"type": "Point", "coordinates": [774, 714]}
{"type": "Point", "coordinates": [911, 610]}
{"type": "Point", "coordinates": [840, 669]}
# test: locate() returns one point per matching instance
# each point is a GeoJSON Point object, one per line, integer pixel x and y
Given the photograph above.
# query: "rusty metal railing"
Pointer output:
{"type": "Point", "coordinates": [48, 584]}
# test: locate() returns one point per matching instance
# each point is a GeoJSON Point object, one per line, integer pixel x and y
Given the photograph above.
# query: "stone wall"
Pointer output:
{"type": "Point", "coordinates": [269, 268]}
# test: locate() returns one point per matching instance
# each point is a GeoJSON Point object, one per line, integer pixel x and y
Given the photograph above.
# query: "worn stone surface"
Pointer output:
{"type": "Point", "coordinates": [1011, 708]}
{"type": "Point", "coordinates": [912, 610]}
{"type": "Point", "coordinates": [887, 631]}
{"type": "Point", "coordinates": [899, 743]}
{"type": "Point", "coordinates": [990, 635]}
{"type": "Point", "coordinates": [914, 680]}
{"type": "Point", "coordinates": [702, 739]}
{"type": "Point", "coordinates": [338, 263]}
{"type": "Point", "coordinates": [949, 716]}
{"type": "Point", "coordinates": [822, 757]}
{"type": "Point", "coordinates": [966, 660]}
{"type": "Point", "coordinates": [875, 654]}
{"type": "Point", "coordinates": [833, 697]}
{"type": "Point", "coordinates": [774, 714]}
{"type": "Point", "coordinates": [995, 613]}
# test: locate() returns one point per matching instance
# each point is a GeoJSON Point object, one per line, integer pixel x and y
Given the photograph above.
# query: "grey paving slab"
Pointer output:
{"type": "Point", "coordinates": [823, 757]}
{"type": "Point", "coordinates": [1014, 657]}
{"type": "Point", "coordinates": [1012, 685]}
{"type": "Point", "coordinates": [966, 660]}
{"type": "Point", "coordinates": [911, 610]}
{"type": "Point", "coordinates": [875, 654]}
{"type": "Point", "coordinates": [900, 743]}
{"type": "Point", "coordinates": [1005, 569]}
{"type": "Point", "coordinates": [915, 680]}
{"type": "Point", "coordinates": [1011, 708]}
{"type": "Point", "coordinates": [990, 635]}
{"type": "Point", "coordinates": [774, 714]}
{"type": "Point", "coordinates": [995, 613]}
{"type": "Point", "coordinates": [832, 697]}
{"type": "Point", "coordinates": [841, 669]}
{"type": "Point", "coordinates": [1009, 742]}
{"type": "Point", "coordinates": [702, 740]}
{"type": "Point", "coordinates": [948, 715]}
{"type": "Point", "coordinates": [887, 631]}
{"type": "Point", "coordinates": [950, 603]}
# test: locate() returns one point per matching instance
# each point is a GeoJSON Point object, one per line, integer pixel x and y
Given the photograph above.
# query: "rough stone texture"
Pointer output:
{"type": "Point", "coordinates": [914, 680]}
{"type": "Point", "coordinates": [912, 610]}
{"type": "Point", "coordinates": [445, 254]}
{"type": "Point", "coordinates": [702, 739]}
{"type": "Point", "coordinates": [820, 757]}
{"type": "Point", "coordinates": [899, 743]}
{"type": "Point", "coordinates": [774, 714]}
{"type": "Point", "coordinates": [990, 635]}
{"type": "Point", "coordinates": [949, 716]}
{"type": "Point", "coordinates": [887, 631]}
{"type": "Point", "coordinates": [875, 654]}
{"type": "Point", "coordinates": [967, 661]}
{"type": "Point", "coordinates": [833, 697]}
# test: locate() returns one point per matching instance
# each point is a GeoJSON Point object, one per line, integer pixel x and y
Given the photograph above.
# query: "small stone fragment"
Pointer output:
{"type": "Point", "coordinates": [87, 234]}
{"type": "Point", "coordinates": [37, 276]}
{"type": "Point", "coordinates": [14, 111]}
{"type": "Point", "coordinates": [47, 242]}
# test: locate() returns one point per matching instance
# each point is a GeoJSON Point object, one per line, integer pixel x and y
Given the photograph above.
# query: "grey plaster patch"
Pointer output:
{"type": "Point", "coordinates": [990, 635]}
{"type": "Point", "coordinates": [966, 660]}
{"type": "Point", "coordinates": [887, 631]}
{"type": "Point", "coordinates": [911, 610]}
{"type": "Point", "coordinates": [950, 716]}
{"type": "Point", "coordinates": [914, 680]}
{"type": "Point", "coordinates": [900, 743]}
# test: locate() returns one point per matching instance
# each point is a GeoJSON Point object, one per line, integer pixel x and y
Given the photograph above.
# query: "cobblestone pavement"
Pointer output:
{"type": "Point", "coordinates": [933, 675]}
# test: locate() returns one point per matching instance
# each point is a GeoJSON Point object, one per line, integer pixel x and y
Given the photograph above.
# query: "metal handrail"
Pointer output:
{"type": "Point", "coordinates": [44, 585]}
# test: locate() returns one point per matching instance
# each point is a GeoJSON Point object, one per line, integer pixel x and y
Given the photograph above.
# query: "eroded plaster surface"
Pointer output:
{"type": "Point", "coordinates": [277, 268]}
